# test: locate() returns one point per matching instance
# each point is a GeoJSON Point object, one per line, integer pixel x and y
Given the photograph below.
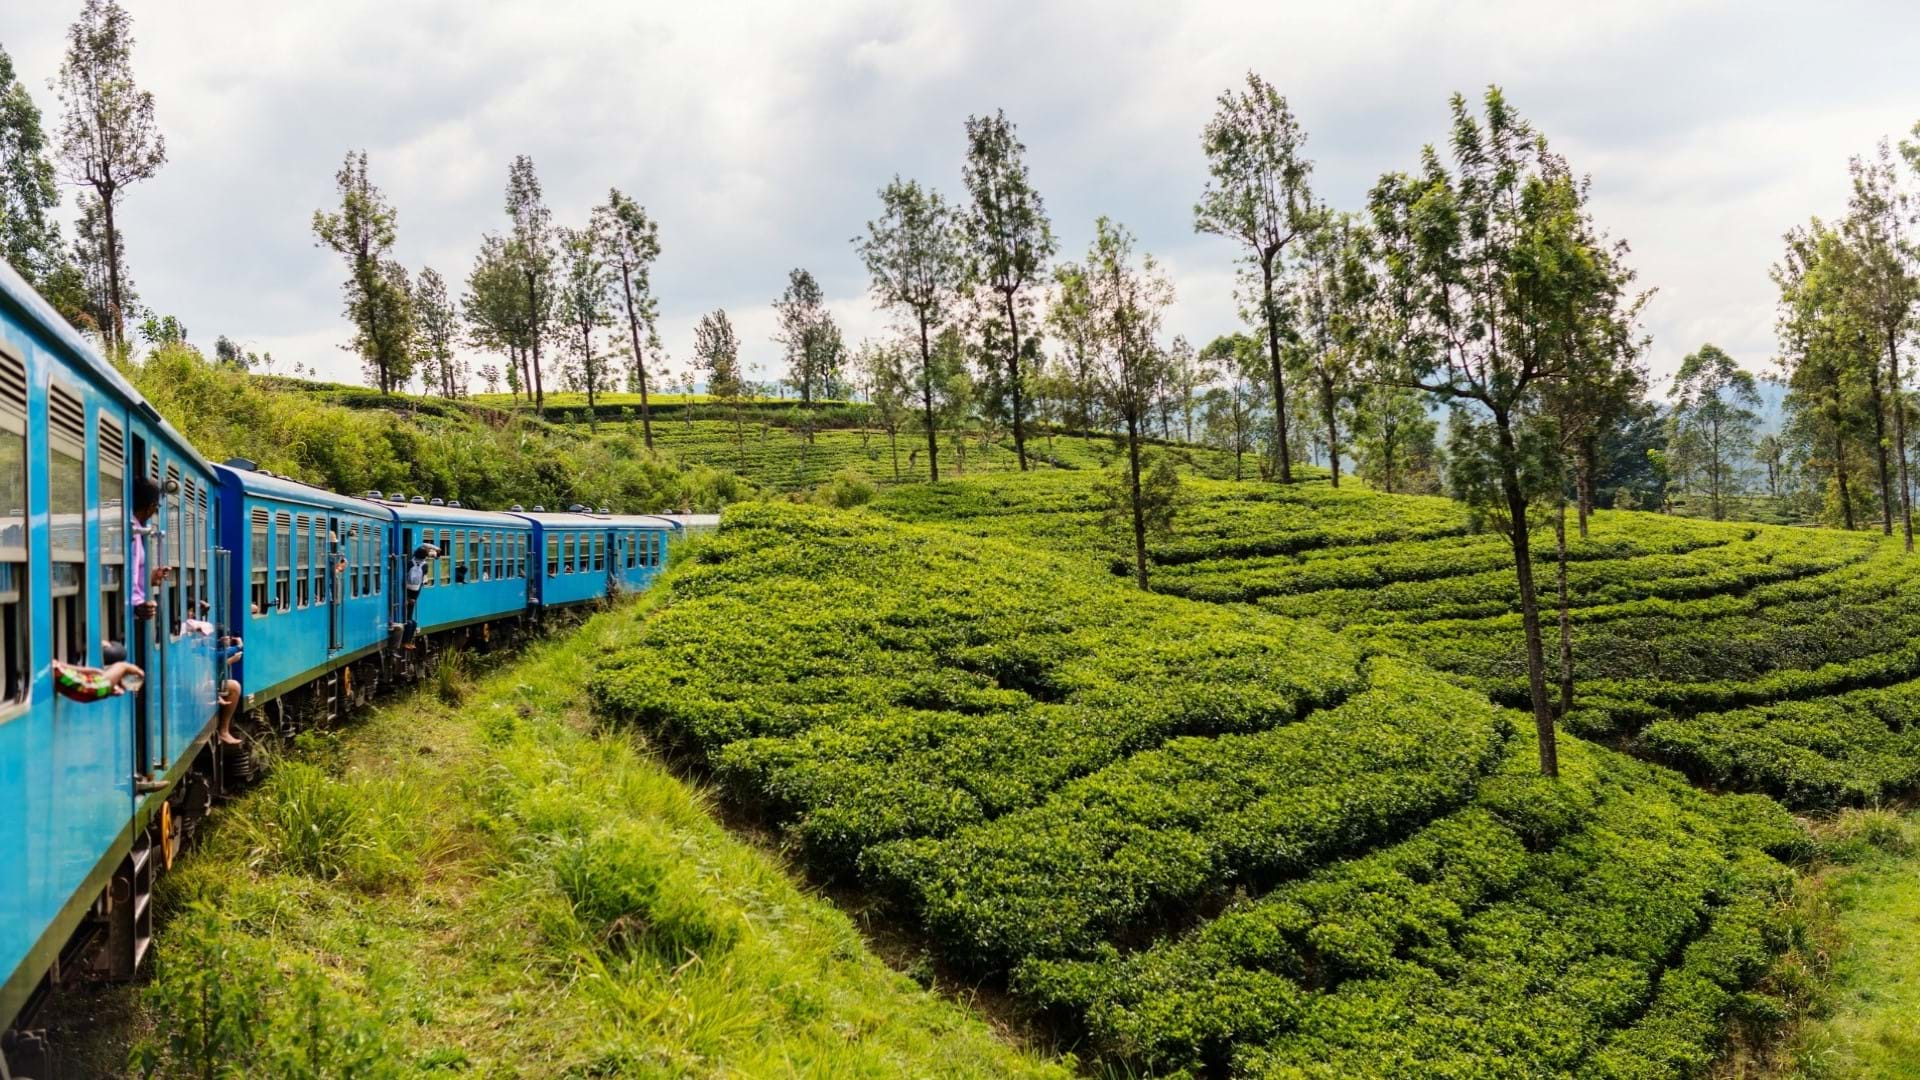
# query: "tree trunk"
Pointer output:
{"type": "Point", "coordinates": [1900, 435]}
{"type": "Point", "coordinates": [1589, 464]}
{"type": "Point", "coordinates": [116, 316]}
{"type": "Point", "coordinates": [893, 444]}
{"type": "Point", "coordinates": [1529, 600]}
{"type": "Point", "coordinates": [1013, 380]}
{"type": "Point", "coordinates": [1279, 377]}
{"type": "Point", "coordinates": [1330, 408]}
{"type": "Point", "coordinates": [1566, 622]}
{"type": "Point", "coordinates": [1880, 446]}
{"type": "Point", "coordinates": [639, 358]}
{"type": "Point", "coordinates": [533, 328]}
{"type": "Point", "coordinates": [926, 400]}
{"type": "Point", "coordinates": [586, 369]}
{"type": "Point", "coordinates": [1139, 514]}
{"type": "Point", "coordinates": [1840, 473]}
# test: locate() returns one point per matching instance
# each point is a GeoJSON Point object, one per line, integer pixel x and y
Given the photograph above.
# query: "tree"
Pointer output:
{"type": "Point", "coordinates": [437, 324]}
{"type": "Point", "coordinates": [1008, 237]}
{"type": "Point", "coordinates": [1127, 301]}
{"type": "Point", "coordinates": [163, 332]}
{"type": "Point", "coordinates": [914, 255]}
{"type": "Point", "coordinates": [1326, 313]}
{"type": "Point", "coordinates": [362, 231]}
{"type": "Point", "coordinates": [1070, 315]}
{"type": "Point", "coordinates": [108, 137]}
{"type": "Point", "coordinates": [1259, 196]}
{"type": "Point", "coordinates": [586, 306]}
{"type": "Point", "coordinates": [812, 340]}
{"type": "Point", "coordinates": [495, 308]}
{"type": "Point", "coordinates": [1714, 399]}
{"type": "Point", "coordinates": [98, 270]}
{"type": "Point", "coordinates": [29, 233]}
{"type": "Point", "coordinates": [631, 242]}
{"type": "Point", "coordinates": [1228, 411]}
{"type": "Point", "coordinates": [883, 372]}
{"type": "Point", "coordinates": [1492, 263]}
{"type": "Point", "coordinates": [1394, 440]}
{"type": "Point", "coordinates": [1771, 452]}
{"type": "Point", "coordinates": [1821, 338]}
{"type": "Point", "coordinates": [490, 377]}
{"type": "Point", "coordinates": [530, 248]}
{"type": "Point", "coordinates": [1883, 287]}
{"type": "Point", "coordinates": [716, 352]}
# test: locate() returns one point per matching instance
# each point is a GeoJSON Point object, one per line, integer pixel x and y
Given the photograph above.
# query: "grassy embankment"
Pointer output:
{"type": "Point", "coordinates": [480, 878]}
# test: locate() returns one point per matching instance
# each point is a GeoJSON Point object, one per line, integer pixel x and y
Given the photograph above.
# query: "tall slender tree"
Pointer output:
{"type": "Point", "coordinates": [108, 136]}
{"type": "Point", "coordinates": [632, 242]}
{"type": "Point", "coordinates": [1713, 406]}
{"type": "Point", "coordinates": [1259, 196]}
{"type": "Point", "coordinates": [1070, 316]}
{"type": "Point", "coordinates": [586, 307]}
{"type": "Point", "coordinates": [531, 247]}
{"type": "Point", "coordinates": [1884, 287]}
{"type": "Point", "coordinates": [495, 308]}
{"type": "Point", "coordinates": [362, 231]}
{"type": "Point", "coordinates": [1327, 305]}
{"type": "Point", "coordinates": [1128, 299]}
{"type": "Point", "coordinates": [1496, 273]}
{"type": "Point", "coordinates": [437, 326]}
{"type": "Point", "coordinates": [806, 330]}
{"type": "Point", "coordinates": [1009, 239]}
{"type": "Point", "coordinates": [716, 354]}
{"type": "Point", "coordinates": [915, 256]}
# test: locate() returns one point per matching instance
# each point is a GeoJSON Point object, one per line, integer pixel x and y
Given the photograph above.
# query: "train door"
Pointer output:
{"type": "Point", "coordinates": [336, 591]}
{"type": "Point", "coordinates": [145, 619]}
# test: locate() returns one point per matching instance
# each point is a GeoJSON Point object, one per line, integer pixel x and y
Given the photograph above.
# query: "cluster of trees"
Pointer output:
{"type": "Point", "coordinates": [106, 140]}
{"type": "Point", "coordinates": [1847, 314]}
{"type": "Point", "coordinates": [572, 305]}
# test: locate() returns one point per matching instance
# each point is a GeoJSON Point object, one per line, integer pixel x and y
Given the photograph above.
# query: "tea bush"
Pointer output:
{"type": "Point", "coordinates": [1219, 841]}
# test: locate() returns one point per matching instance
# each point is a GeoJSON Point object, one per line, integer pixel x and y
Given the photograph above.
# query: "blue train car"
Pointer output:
{"type": "Point", "coordinates": [574, 564]}
{"type": "Point", "coordinates": [480, 576]}
{"type": "Point", "coordinates": [93, 790]}
{"type": "Point", "coordinates": [311, 577]}
{"type": "Point", "coordinates": [638, 549]}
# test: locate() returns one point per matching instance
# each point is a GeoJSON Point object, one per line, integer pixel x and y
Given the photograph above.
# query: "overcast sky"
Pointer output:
{"type": "Point", "coordinates": [758, 134]}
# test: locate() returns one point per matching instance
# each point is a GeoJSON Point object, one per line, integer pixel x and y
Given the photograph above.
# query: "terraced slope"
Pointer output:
{"type": "Point", "coordinates": [1757, 658]}
{"type": "Point", "coordinates": [1211, 837]}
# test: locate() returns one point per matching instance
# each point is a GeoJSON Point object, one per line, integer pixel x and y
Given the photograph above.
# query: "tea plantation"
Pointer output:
{"type": "Point", "coordinates": [1757, 658]}
{"type": "Point", "coordinates": [1208, 837]}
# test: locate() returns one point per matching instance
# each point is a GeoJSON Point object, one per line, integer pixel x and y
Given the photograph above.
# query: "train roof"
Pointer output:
{"type": "Point", "coordinates": [254, 480]}
{"type": "Point", "coordinates": [80, 353]}
{"type": "Point", "coordinates": [691, 522]}
{"type": "Point", "coordinates": [453, 515]}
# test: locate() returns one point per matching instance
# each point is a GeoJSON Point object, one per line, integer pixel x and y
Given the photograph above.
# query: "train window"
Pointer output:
{"type": "Point", "coordinates": [176, 529]}
{"type": "Point", "coordinates": [110, 492]}
{"type": "Point", "coordinates": [67, 510]}
{"type": "Point", "coordinates": [189, 550]}
{"type": "Point", "coordinates": [261, 533]}
{"type": "Point", "coordinates": [302, 558]}
{"type": "Point", "coordinates": [569, 555]}
{"type": "Point", "coordinates": [553, 554]}
{"type": "Point", "coordinates": [283, 561]}
{"type": "Point", "coordinates": [368, 564]}
{"type": "Point", "coordinates": [486, 556]}
{"type": "Point", "coordinates": [659, 549]}
{"type": "Point", "coordinates": [322, 557]}
{"type": "Point", "coordinates": [600, 551]}
{"type": "Point", "coordinates": [15, 661]}
{"type": "Point", "coordinates": [352, 554]}
{"type": "Point", "coordinates": [459, 554]}
{"type": "Point", "coordinates": [206, 554]}
{"type": "Point", "coordinates": [473, 555]}
{"type": "Point", "coordinates": [525, 542]}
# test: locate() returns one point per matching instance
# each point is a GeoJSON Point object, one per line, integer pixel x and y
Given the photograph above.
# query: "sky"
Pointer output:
{"type": "Point", "coordinates": [758, 134]}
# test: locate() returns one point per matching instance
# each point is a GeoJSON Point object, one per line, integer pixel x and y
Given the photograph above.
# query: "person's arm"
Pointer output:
{"type": "Point", "coordinates": [87, 684]}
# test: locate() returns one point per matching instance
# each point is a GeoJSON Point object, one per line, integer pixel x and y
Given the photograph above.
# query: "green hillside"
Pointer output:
{"type": "Point", "coordinates": [1756, 658]}
{"type": "Point", "coordinates": [1209, 837]}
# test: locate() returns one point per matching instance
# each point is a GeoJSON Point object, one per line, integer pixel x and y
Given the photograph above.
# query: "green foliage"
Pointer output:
{"type": "Point", "coordinates": [1220, 842]}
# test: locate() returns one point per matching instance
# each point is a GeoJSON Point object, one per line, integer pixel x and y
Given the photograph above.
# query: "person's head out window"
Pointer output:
{"type": "Point", "coordinates": [146, 498]}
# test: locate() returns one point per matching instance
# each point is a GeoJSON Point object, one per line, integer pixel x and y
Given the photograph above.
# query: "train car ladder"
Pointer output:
{"type": "Point", "coordinates": [130, 914]}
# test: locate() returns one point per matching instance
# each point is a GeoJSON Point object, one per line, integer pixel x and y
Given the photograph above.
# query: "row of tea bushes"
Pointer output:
{"type": "Point", "coordinates": [1060, 780]}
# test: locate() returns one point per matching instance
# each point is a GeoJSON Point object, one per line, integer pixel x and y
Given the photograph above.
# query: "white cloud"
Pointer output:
{"type": "Point", "coordinates": [757, 133]}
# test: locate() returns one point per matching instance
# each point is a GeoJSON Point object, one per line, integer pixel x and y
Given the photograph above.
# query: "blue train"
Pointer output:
{"type": "Point", "coordinates": [101, 795]}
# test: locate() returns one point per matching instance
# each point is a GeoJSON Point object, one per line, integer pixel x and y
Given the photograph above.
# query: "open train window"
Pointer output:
{"type": "Point", "coordinates": [283, 561]}
{"type": "Point", "coordinates": [600, 551]}
{"type": "Point", "coordinates": [446, 556]}
{"type": "Point", "coordinates": [486, 556]}
{"type": "Point", "coordinates": [190, 549]}
{"type": "Point", "coordinates": [459, 556]}
{"type": "Point", "coordinates": [110, 487]}
{"type": "Point", "coordinates": [322, 554]}
{"type": "Point", "coordinates": [302, 558]}
{"type": "Point", "coordinates": [261, 537]}
{"type": "Point", "coordinates": [352, 554]}
{"type": "Point", "coordinates": [176, 527]}
{"type": "Point", "coordinates": [377, 551]}
{"type": "Point", "coordinates": [67, 521]}
{"type": "Point", "coordinates": [15, 661]}
{"type": "Point", "coordinates": [553, 555]}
